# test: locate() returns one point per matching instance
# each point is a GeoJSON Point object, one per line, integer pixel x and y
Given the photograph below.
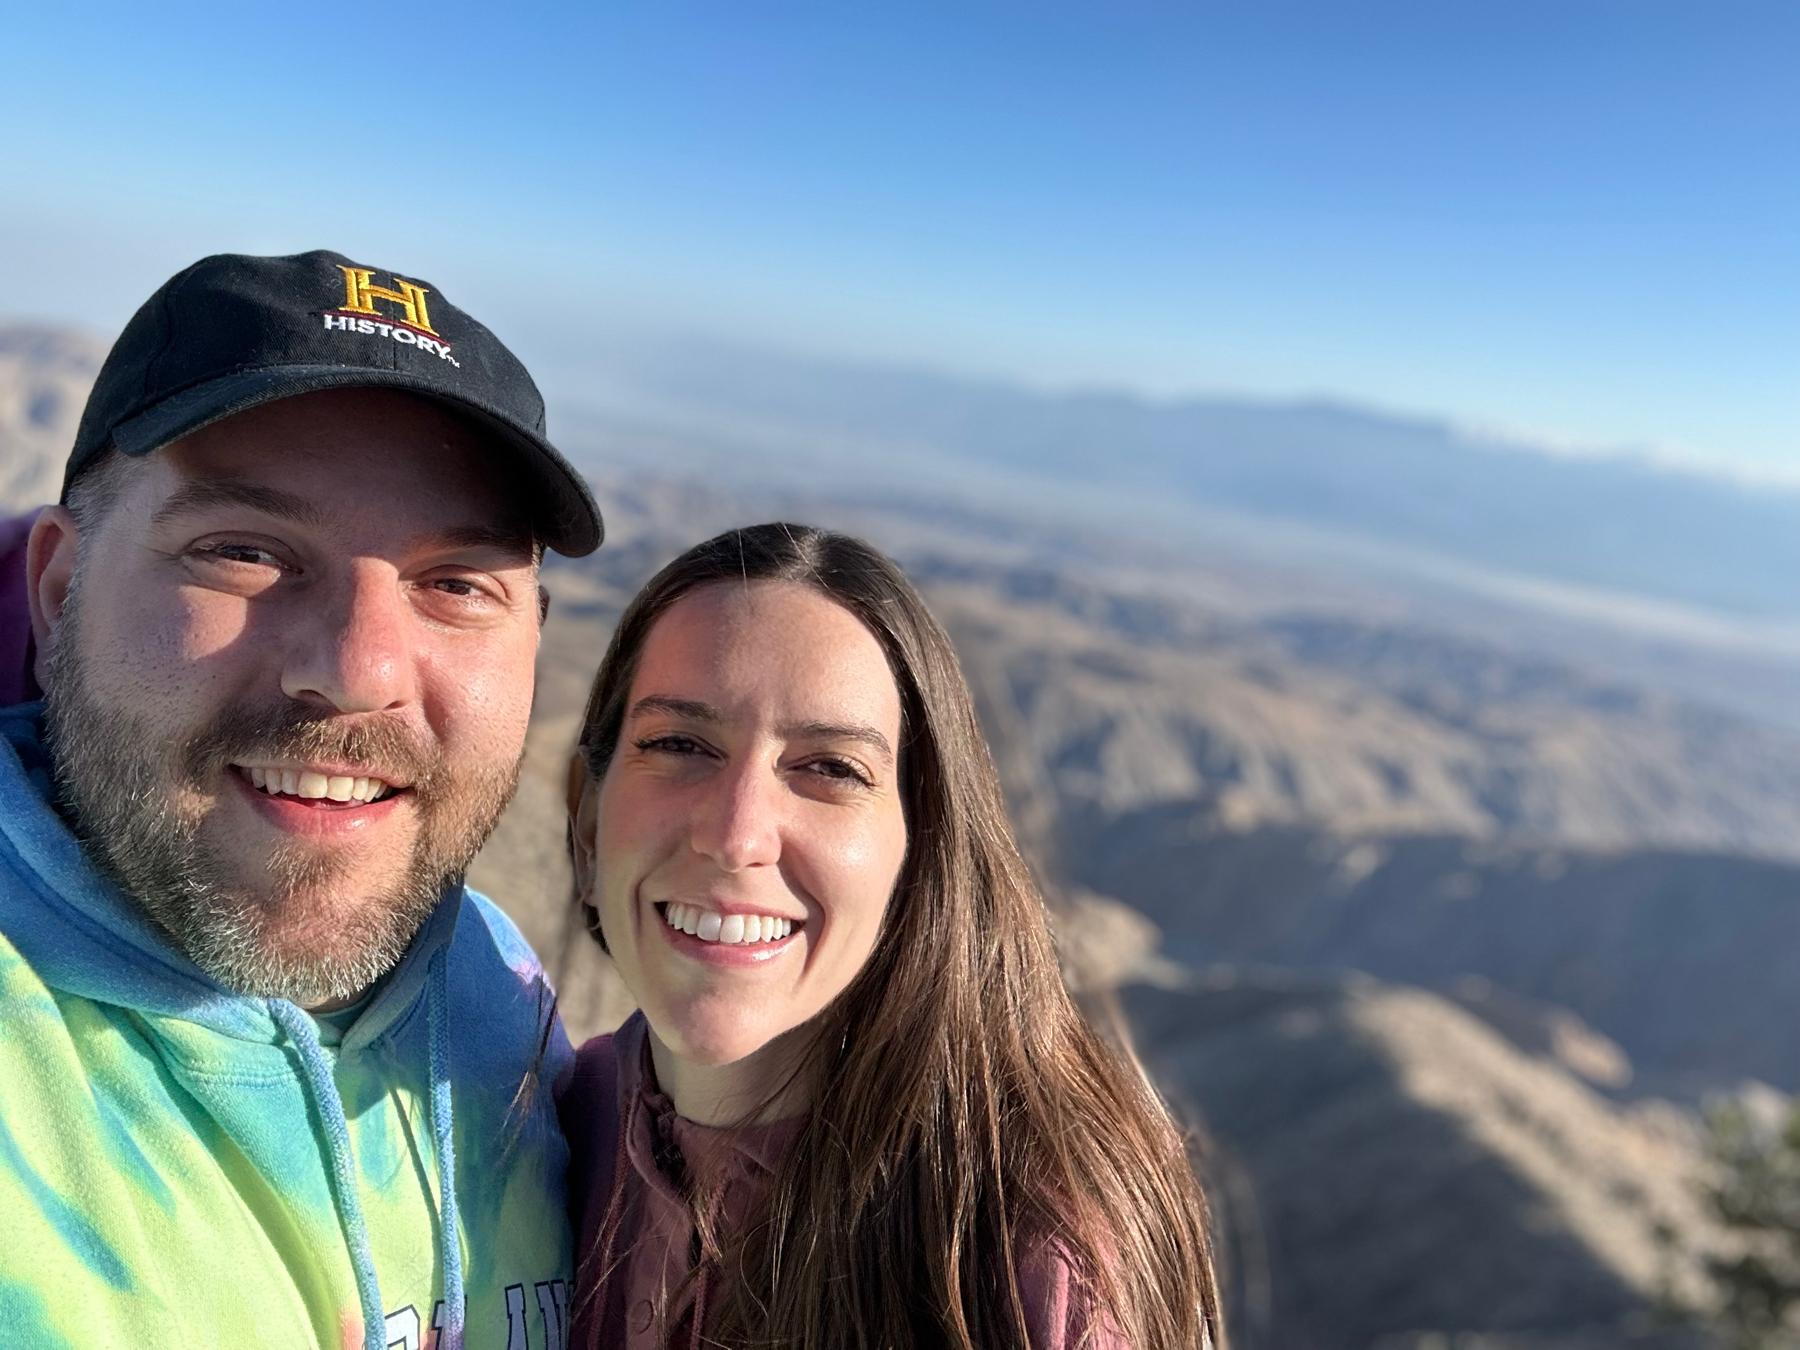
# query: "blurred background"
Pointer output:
{"type": "Point", "coordinates": [1356, 448]}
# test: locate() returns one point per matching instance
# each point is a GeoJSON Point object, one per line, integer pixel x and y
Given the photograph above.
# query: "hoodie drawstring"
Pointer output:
{"type": "Point", "coordinates": [317, 1067]}
{"type": "Point", "coordinates": [443, 1135]}
{"type": "Point", "coordinates": [304, 1034]}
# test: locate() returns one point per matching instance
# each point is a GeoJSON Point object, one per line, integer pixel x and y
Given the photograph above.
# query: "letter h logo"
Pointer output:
{"type": "Point", "coordinates": [360, 293]}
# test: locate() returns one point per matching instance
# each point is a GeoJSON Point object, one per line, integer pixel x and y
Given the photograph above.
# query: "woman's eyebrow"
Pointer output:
{"type": "Point", "coordinates": [839, 731]}
{"type": "Point", "coordinates": [696, 711]}
{"type": "Point", "coordinates": [692, 709]}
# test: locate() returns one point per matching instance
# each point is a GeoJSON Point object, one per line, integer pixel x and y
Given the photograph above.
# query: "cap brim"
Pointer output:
{"type": "Point", "coordinates": [568, 521]}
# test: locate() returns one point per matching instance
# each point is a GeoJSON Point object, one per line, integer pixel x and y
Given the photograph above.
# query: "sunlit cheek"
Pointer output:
{"type": "Point", "coordinates": [863, 865]}
{"type": "Point", "coordinates": [635, 834]}
{"type": "Point", "coordinates": [155, 652]}
{"type": "Point", "coordinates": [208, 625]}
{"type": "Point", "coordinates": [480, 700]}
{"type": "Point", "coordinates": [493, 691]}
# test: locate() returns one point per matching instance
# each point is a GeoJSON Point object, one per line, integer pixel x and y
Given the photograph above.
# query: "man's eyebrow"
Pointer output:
{"type": "Point", "coordinates": [496, 537]}
{"type": "Point", "coordinates": [205, 493]}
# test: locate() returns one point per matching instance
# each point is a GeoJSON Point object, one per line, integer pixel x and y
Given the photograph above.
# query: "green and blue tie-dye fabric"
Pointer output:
{"type": "Point", "coordinates": [166, 1166]}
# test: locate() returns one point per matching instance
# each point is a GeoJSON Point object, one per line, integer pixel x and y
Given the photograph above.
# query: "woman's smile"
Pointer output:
{"type": "Point", "coordinates": [709, 925]}
{"type": "Point", "coordinates": [729, 941]}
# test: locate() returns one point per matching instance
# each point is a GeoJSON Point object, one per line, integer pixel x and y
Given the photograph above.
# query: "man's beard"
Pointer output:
{"type": "Point", "coordinates": [120, 780]}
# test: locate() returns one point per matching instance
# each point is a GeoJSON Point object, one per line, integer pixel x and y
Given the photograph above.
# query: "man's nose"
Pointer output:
{"type": "Point", "coordinates": [352, 652]}
{"type": "Point", "coordinates": [737, 823]}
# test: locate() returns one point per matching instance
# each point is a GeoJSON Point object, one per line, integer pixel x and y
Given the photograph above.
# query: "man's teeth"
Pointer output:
{"type": "Point", "coordinates": [710, 926]}
{"type": "Point", "coordinates": [306, 783]}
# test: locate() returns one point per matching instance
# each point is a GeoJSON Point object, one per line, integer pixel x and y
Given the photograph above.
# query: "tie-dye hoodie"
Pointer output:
{"type": "Point", "coordinates": [182, 1166]}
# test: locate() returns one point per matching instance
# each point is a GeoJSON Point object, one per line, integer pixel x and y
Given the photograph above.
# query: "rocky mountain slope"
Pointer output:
{"type": "Point", "coordinates": [1130, 702]}
{"type": "Point", "coordinates": [1683, 959]}
{"type": "Point", "coordinates": [44, 377]}
{"type": "Point", "coordinates": [1386, 1166]}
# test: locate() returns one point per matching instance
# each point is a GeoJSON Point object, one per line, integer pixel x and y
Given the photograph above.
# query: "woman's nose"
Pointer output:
{"type": "Point", "coordinates": [738, 822]}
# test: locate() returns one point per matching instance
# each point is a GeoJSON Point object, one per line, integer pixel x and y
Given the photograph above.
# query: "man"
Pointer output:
{"type": "Point", "coordinates": [269, 1073]}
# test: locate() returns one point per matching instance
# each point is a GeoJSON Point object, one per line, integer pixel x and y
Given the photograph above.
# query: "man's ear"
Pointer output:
{"type": "Point", "coordinates": [50, 553]}
{"type": "Point", "coordinates": [584, 799]}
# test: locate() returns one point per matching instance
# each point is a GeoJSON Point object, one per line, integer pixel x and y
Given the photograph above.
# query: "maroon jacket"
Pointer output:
{"type": "Point", "coordinates": [17, 651]}
{"type": "Point", "coordinates": [631, 1218]}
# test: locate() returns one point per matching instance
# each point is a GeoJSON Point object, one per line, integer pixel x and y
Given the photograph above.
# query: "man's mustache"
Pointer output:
{"type": "Point", "coordinates": [385, 748]}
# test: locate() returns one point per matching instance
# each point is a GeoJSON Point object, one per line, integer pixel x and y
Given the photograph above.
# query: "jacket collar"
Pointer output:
{"type": "Point", "coordinates": [714, 1157]}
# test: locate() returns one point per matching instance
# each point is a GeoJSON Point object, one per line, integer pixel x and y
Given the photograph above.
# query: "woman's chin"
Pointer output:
{"type": "Point", "coordinates": [713, 1037]}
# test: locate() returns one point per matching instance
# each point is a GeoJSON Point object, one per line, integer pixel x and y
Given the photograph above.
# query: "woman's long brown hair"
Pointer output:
{"type": "Point", "coordinates": [968, 1120]}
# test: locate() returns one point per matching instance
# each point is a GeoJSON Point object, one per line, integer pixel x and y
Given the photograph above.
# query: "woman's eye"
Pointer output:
{"type": "Point", "coordinates": [670, 745]}
{"type": "Point", "coordinates": [840, 771]}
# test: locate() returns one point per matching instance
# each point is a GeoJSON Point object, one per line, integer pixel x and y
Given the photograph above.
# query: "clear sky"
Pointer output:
{"type": "Point", "coordinates": [1572, 218]}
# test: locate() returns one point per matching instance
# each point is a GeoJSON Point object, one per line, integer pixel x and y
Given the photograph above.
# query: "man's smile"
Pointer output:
{"type": "Point", "coordinates": [310, 802]}
{"type": "Point", "coordinates": [316, 782]}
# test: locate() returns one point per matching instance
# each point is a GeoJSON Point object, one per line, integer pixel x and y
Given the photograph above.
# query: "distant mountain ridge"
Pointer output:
{"type": "Point", "coordinates": [1613, 523]}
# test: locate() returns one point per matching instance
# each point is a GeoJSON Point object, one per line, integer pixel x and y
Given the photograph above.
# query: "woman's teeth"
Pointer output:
{"type": "Point", "coordinates": [711, 926]}
{"type": "Point", "coordinates": [308, 784]}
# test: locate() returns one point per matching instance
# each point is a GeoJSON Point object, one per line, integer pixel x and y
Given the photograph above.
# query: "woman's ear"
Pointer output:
{"type": "Point", "coordinates": [583, 797]}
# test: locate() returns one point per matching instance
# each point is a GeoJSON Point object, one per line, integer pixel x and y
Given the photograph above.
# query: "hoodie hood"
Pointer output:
{"type": "Point", "coordinates": [85, 937]}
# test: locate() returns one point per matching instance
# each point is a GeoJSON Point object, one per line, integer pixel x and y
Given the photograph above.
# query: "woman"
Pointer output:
{"type": "Point", "coordinates": [858, 1107]}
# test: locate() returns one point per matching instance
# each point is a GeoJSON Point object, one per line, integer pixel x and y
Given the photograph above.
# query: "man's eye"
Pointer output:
{"type": "Point", "coordinates": [467, 589]}
{"type": "Point", "coordinates": [248, 554]}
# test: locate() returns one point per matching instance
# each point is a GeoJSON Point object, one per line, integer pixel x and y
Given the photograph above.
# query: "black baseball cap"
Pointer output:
{"type": "Point", "coordinates": [236, 331]}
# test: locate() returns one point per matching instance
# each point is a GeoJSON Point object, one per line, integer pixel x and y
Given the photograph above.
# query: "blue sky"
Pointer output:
{"type": "Point", "coordinates": [1580, 220]}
